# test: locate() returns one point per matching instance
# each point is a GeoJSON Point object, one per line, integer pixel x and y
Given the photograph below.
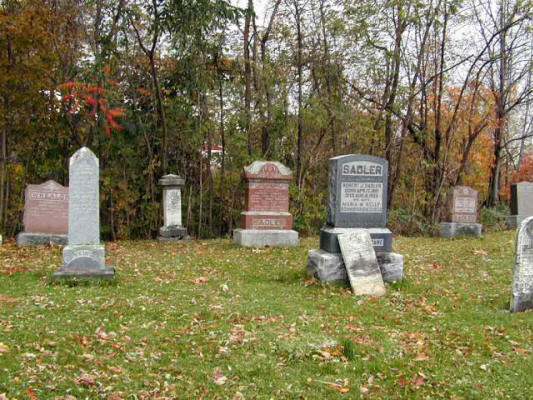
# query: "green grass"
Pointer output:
{"type": "Point", "coordinates": [260, 328]}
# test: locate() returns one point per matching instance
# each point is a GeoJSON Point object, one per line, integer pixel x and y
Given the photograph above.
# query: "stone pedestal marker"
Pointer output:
{"type": "Point", "coordinates": [84, 256]}
{"type": "Point", "coordinates": [357, 199]}
{"type": "Point", "coordinates": [522, 287]}
{"type": "Point", "coordinates": [361, 263]}
{"type": "Point", "coordinates": [521, 203]}
{"type": "Point", "coordinates": [266, 220]}
{"type": "Point", "coordinates": [172, 228]}
{"type": "Point", "coordinates": [461, 206]}
{"type": "Point", "coordinates": [45, 215]}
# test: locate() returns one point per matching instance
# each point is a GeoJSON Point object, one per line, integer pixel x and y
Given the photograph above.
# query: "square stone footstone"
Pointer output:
{"type": "Point", "coordinates": [84, 261]}
{"type": "Point", "coordinates": [361, 263]}
{"type": "Point", "coordinates": [357, 191]}
{"type": "Point", "coordinates": [381, 238]}
{"type": "Point", "coordinates": [522, 287]}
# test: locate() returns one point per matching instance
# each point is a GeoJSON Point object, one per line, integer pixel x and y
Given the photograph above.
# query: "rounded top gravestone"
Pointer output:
{"type": "Point", "coordinates": [357, 191]}
{"type": "Point", "coordinates": [268, 170]}
{"type": "Point", "coordinates": [171, 180]}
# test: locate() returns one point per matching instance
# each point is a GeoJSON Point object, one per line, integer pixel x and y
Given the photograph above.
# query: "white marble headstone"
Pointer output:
{"type": "Point", "coordinates": [522, 287]}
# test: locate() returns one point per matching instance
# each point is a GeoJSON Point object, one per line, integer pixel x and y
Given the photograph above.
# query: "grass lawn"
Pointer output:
{"type": "Point", "coordinates": [209, 319]}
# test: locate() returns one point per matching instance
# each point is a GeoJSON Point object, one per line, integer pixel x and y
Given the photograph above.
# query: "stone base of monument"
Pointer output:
{"type": "Point", "coordinates": [381, 238]}
{"type": "Point", "coordinates": [173, 233]}
{"type": "Point", "coordinates": [329, 267]}
{"type": "Point", "coordinates": [514, 221]}
{"type": "Point", "coordinates": [453, 229]}
{"type": "Point", "coordinates": [41, 239]}
{"type": "Point", "coordinates": [266, 237]}
{"type": "Point", "coordinates": [84, 261]}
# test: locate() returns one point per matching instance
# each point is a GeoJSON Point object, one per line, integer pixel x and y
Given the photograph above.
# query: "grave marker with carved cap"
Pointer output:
{"type": "Point", "coordinates": [461, 212]}
{"type": "Point", "coordinates": [266, 220]}
{"type": "Point", "coordinates": [522, 287]}
{"type": "Point", "coordinates": [84, 256]}
{"type": "Point", "coordinates": [172, 228]}
{"type": "Point", "coordinates": [357, 199]}
{"type": "Point", "coordinates": [45, 215]}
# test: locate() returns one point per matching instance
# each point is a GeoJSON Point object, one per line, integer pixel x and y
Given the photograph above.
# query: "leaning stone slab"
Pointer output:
{"type": "Point", "coordinates": [453, 229]}
{"type": "Point", "coordinates": [361, 263]}
{"type": "Point", "coordinates": [266, 237]}
{"type": "Point", "coordinates": [522, 287]}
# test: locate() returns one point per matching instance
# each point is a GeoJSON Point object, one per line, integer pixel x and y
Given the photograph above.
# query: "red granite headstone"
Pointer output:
{"type": "Point", "coordinates": [267, 196]}
{"type": "Point", "coordinates": [462, 204]}
{"type": "Point", "coordinates": [46, 208]}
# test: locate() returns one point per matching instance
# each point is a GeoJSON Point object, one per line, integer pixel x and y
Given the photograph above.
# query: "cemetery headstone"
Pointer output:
{"type": "Point", "coordinates": [172, 228]}
{"type": "Point", "coordinates": [361, 263]}
{"type": "Point", "coordinates": [522, 286]}
{"type": "Point", "coordinates": [521, 203]}
{"type": "Point", "coordinates": [357, 199]}
{"type": "Point", "coordinates": [266, 220]}
{"type": "Point", "coordinates": [461, 213]}
{"type": "Point", "coordinates": [45, 215]}
{"type": "Point", "coordinates": [84, 256]}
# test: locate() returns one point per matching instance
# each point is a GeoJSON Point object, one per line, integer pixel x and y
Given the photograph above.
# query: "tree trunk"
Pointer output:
{"type": "Point", "coordinates": [247, 77]}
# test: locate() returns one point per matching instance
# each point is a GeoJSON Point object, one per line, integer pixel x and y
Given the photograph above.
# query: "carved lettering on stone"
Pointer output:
{"type": "Point", "coordinates": [522, 286]}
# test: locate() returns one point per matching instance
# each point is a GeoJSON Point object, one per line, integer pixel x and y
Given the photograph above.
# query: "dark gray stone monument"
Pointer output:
{"type": "Point", "coordinates": [172, 228]}
{"type": "Point", "coordinates": [45, 215]}
{"type": "Point", "coordinates": [84, 256]}
{"type": "Point", "coordinates": [357, 199]}
{"type": "Point", "coordinates": [521, 203]}
{"type": "Point", "coordinates": [361, 263]}
{"type": "Point", "coordinates": [461, 212]}
{"type": "Point", "coordinates": [522, 287]}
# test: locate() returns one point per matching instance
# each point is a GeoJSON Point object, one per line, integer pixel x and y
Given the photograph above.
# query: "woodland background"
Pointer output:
{"type": "Point", "coordinates": [441, 88]}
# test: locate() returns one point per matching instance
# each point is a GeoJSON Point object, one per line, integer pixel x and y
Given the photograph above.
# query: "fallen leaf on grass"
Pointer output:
{"type": "Point", "coordinates": [421, 357]}
{"type": "Point", "coordinates": [521, 351]}
{"type": "Point", "coordinates": [218, 377]}
{"type": "Point", "coordinates": [201, 279]}
{"type": "Point", "coordinates": [4, 348]}
{"type": "Point", "coordinates": [7, 299]}
{"type": "Point", "coordinates": [482, 253]}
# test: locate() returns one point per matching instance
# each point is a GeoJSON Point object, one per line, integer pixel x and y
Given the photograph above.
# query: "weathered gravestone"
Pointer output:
{"type": "Point", "coordinates": [266, 220]}
{"type": "Point", "coordinates": [84, 256]}
{"type": "Point", "coordinates": [521, 203]}
{"type": "Point", "coordinates": [45, 215]}
{"type": "Point", "coordinates": [361, 263]}
{"type": "Point", "coordinates": [522, 287]}
{"type": "Point", "coordinates": [172, 228]}
{"type": "Point", "coordinates": [357, 199]}
{"type": "Point", "coordinates": [461, 212]}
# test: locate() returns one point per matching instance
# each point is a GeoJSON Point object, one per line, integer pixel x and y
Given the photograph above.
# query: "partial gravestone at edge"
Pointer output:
{"type": "Point", "coordinates": [172, 229]}
{"type": "Point", "coordinates": [521, 203]}
{"type": "Point", "coordinates": [84, 256]}
{"type": "Point", "coordinates": [522, 286]}
{"type": "Point", "coordinates": [45, 215]}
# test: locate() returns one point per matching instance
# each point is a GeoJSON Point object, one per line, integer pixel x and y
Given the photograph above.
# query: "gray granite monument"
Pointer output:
{"type": "Point", "coordinates": [357, 199]}
{"type": "Point", "coordinates": [45, 215]}
{"type": "Point", "coordinates": [361, 263]}
{"type": "Point", "coordinates": [84, 256]}
{"type": "Point", "coordinates": [521, 203]}
{"type": "Point", "coordinates": [172, 228]}
{"type": "Point", "coordinates": [461, 213]}
{"type": "Point", "coordinates": [522, 286]}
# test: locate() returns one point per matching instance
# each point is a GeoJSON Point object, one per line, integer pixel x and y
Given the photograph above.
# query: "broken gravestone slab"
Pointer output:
{"type": "Point", "coordinates": [361, 263]}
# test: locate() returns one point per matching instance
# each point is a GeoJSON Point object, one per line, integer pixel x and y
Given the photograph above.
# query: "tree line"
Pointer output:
{"type": "Point", "coordinates": [441, 89]}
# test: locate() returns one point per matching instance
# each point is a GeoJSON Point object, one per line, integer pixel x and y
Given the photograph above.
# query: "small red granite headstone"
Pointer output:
{"type": "Point", "coordinates": [46, 208]}
{"type": "Point", "coordinates": [462, 204]}
{"type": "Point", "coordinates": [267, 196]}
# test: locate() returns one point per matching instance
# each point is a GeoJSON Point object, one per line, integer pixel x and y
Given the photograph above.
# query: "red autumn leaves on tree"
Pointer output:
{"type": "Point", "coordinates": [90, 99]}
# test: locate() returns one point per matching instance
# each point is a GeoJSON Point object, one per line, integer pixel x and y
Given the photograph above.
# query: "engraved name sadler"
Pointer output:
{"type": "Point", "coordinates": [362, 168]}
